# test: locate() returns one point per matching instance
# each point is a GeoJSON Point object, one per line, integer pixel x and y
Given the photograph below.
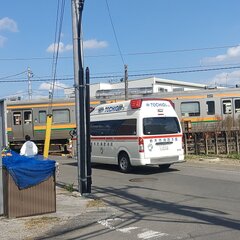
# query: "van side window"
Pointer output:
{"type": "Point", "coordinates": [42, 116]}
{"type": "Point", "coordinates": [114, 127]}
{"type": "Point", "coordinates": [17, 118]}
{"type": "Point", "coordinates": [189, 109]}
{"type": "Point", "coordinates": [61, 116]}
{"type": "Point", "coordinates": [210, 107]}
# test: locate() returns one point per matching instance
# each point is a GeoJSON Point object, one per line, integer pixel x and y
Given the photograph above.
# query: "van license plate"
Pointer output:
{"type": "Point", "coordinates": [163, 147]}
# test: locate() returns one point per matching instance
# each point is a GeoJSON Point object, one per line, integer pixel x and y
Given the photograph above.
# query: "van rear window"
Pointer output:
{"type": "Point", "coordinates": [160, 125]}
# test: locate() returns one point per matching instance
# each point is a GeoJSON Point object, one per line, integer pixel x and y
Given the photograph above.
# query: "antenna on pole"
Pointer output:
{"type": "Point", "coordinates": [30, 75]}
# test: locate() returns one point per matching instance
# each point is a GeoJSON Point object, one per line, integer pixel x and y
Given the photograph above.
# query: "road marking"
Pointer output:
{"type": "Point", "coordinates": [151, 234]}
{"type": "Point", "coordinates": [145, 233]}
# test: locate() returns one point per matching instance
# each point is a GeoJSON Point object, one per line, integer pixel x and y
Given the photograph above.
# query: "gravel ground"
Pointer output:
{"type": "Point", "coordinates": [69, 205]}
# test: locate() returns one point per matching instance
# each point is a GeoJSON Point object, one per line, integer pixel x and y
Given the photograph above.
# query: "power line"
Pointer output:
{"type": "Point", "coordinates": [56, 51]}
{"type": "Point", "coordinates": [17, 74]}
{"type": "Point", "coordinates": [132, 75]}
{"type": "Point", "coordinates": [125, 54]}
{"type": "Point", "coordinates": [115, 35]}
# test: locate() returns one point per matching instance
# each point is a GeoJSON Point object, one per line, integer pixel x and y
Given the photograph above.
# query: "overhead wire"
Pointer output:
{"type": "Point", "coordinates": [56, 50]}
{"type": "Point", "coordinates": [131, 75]}
{"type": "Point", "coordinates": [115, 35]}
{"type": "Point", "coordinates": [126, 54]}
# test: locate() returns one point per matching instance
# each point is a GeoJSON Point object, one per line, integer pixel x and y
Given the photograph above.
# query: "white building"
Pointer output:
{"type": "Point", "coordinates": [145, 86]}
{"type": "Point", "coordinates": [140, 87]}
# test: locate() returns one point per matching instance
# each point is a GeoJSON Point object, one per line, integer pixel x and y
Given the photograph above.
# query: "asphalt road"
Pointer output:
{"type": "Point", "coordinates": [189, 201]}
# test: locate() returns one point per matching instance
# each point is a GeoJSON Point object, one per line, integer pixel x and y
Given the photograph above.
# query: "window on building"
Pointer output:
{"type": "Point", "coordinates": [61, 116]}
{"type": "Point", "coordinates": [189, 109]}
{"type": "Point", "coordinates": [210, 107]}
{"type": "Point", "coordinates": [42, 115]}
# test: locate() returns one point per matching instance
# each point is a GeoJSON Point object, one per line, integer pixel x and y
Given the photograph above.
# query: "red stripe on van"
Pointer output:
{"type": "Point", "coordinates": [135, 138]}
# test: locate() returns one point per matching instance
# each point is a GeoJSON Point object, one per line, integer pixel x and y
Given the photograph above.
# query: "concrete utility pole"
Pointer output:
{"type": "Point", "coordinates": [82, 102]}
{"type": "Point", "coordinates": [126, 81]}
{"type": "Point", "coordinates": [29, 74]}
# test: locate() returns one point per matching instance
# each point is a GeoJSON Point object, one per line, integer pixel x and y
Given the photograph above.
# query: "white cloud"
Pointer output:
{"type": "Point", "coordinates": [8, 24]}
{"type": "Point", "coordinates": [62, 48]}
{"type": "Point", "coordinates": [58, 85]}
{"type": "Point", "coordinates": [88, 44]}
{"type": "Point", "coordinates": [2, 40]}
{"type": "Point", "coordinates": [227, 78]}
{"type": "Point", "coordinates": [93, 44]}
{"type": "Point", "coordinates": [232, 53]}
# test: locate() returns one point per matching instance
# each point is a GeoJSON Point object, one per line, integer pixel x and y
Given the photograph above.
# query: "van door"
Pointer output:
{"type": "Point", "coordinates": [163, 137]}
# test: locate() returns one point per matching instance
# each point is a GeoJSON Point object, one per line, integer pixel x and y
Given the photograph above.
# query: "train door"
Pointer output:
{"type": "Point", "coordinates": [236, 107]}
{"type": "Point", "coordinates": [227, 108]}
{"type": "Point", "coordinates": [22, 124]}
{"type": "Point", "coordinates": [231, 108]}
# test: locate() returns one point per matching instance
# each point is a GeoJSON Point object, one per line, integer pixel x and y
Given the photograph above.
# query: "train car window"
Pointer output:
{"type": "Point", "coordinates": [42, 116]}
{"type": "Point", "coordinates": [17, 118]}
{"type": "Point", "coordinates": [210, 107]}
{"type": "Point", "coordinates": [227, 106]}
{"type": "Point", "coordinates": [61, 116]}
{"type": "Point", "coordinates": [189, 109]}
{"type": "Point", "coordinates": [237, 106]}
{"type": "Point", "coordinates": [27, 116]}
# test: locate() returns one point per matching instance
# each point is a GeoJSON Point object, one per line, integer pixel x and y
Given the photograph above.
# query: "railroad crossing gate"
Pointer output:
{"type": "Point", "coordinates": [3, 141]}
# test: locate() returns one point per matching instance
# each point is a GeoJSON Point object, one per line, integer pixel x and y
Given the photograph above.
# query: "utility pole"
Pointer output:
{"type": "Point", "coordinates": [29, 74]}
{"type": "Point", "coordinates": [126, 81]}
{"type": "Point", "coordinates": [81, 99]}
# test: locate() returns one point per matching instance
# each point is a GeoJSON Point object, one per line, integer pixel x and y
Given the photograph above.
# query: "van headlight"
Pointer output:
{"type": "Point", "coordinates": [150, 147]}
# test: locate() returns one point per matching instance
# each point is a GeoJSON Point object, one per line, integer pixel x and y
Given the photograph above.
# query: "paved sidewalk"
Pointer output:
{"type": "Point", "coordinates": [70, 206]}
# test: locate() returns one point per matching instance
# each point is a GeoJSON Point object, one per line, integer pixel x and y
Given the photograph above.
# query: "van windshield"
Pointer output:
{"type": "Point", "coordinates": [160, 125]}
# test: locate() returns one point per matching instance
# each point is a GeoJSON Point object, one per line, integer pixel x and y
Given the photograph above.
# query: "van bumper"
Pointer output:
{"type": "Point", "coordinates": [158, 161]}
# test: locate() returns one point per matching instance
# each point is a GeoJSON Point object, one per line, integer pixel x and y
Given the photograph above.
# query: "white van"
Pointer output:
{"type": "Point", "coordinates": [136, 132]}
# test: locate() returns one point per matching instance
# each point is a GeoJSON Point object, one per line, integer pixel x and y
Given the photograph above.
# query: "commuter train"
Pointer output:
{"type": "Point", "coordinates": [198, 111]}
{"type": "Point", "coordinates": [208, 109]}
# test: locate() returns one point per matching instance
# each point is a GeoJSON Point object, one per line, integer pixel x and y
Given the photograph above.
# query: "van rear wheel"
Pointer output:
{"type": "Point", "coordinates": [124, 163]}
{"type": "Point", "coordinates": [165, 166]}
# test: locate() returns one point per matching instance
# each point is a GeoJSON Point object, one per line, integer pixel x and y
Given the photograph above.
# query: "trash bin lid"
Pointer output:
{"type": "Point", "coordinates": [28, 171]}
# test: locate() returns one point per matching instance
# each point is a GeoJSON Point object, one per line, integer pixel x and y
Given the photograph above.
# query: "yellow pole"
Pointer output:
{"type": "Point", "coordinates": [47, 135]}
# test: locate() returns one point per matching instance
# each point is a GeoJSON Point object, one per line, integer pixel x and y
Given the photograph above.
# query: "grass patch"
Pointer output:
{"type": "Point", "coordinates": [95, 203]}
{"type": "Point", "coordinates": [69, 187]}
{"type": "Point", "coordinates": [234, 156]}
{"type": "Point", "coordinates": [40, 222]}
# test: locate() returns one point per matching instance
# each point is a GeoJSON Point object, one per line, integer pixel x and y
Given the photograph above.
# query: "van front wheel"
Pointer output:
{"type": "Point", "coordinates": [124, 163]}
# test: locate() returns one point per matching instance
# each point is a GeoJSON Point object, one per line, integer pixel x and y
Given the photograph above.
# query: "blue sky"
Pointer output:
{"type": "Point", "coordinates": [154, 36]}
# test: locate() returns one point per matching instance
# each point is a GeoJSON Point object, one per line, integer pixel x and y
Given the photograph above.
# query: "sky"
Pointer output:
{"type": "Point", "coordinates": [169, 39]}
